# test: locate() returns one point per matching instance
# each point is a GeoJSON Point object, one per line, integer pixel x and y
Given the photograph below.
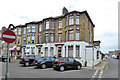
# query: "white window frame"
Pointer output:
{"type": "Point", "coordinates": [40, 27]}
{"type": "Point", "coordinates": [28, 28]}
{"type": "Point", "coordinates": [59, 37]}
{"type": "Point", "coordinates": [71, 20]}
{"type": "Point", "coordinates": [33, 27]}
{"type": "Point", "coordinates": [47, 25]}
{"type": "Point", "coordinates": [77, 19]}
{"type": "Point", "coordinates": [77, 35]}
{"type": "Point", "coordinates": [60, 23]}
{"type": "Point", "coordinates": [19, 31]}
{"type": "Point", "coordinates": [71, 35]}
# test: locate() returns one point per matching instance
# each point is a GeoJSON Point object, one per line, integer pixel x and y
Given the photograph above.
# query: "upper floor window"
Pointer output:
{"type": "Point", "coordinates": [40, 27]}
{"type": "Point", "coordinates": [60, 23]}
{"type": "Point", "coordinates": [77, 19]}
{"type": "Point", "coordinates": [70, 20]}
{"type": "Point", "coordinates": [71, 35]}
{"type": "Point", "coordinates": [24, 40]}
{"type": "Point", "coordinates": [77, 34]}
{"type": "Point", "coordinates": [15, 31]}
{"type": "Point", "coordinates": [24, 30]}
{"type": "Point", "coordinates": [51, 37]}
{"type": "Point", "coordinates": [65, 35]}
{"type": "Point", "coordinates": [19, 40]}
{"type": "Point", "coordinates": [28, 28]}
{"type": "Point", "coordinates": [33, 27]}
{"type": "Point", "coordinates": [33, 39]}
{"type": "Point", "coordinates": [46, 37]}
{"type": "Point", "coordinates": [19, 31]}
{"type": "Point", "coordinates": [47, 24]}
{"type": "Point", "coordinates": [52, 24]}
{"type": "Point", "coordinates": [59, 37]}
{"type": "Point", "coordinates": [39, 39]}
{"type": "Point", "coordinates": [28, 38]}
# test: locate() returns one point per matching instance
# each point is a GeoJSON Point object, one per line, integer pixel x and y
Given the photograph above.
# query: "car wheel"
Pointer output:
{"type": "Point", "coordinates": [26, 64]}
{"type": "Point", "coordinates": [43, 66]}
{"type": "Point", "coordinates": [78, 67]}
{"type": "Point", "coordinates": [62, 68]}
{"type": "Point", "coordinates": [5, 60]}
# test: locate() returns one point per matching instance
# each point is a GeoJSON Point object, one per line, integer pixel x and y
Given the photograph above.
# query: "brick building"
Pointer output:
{"type": "Point", "coordinates": [68, 35]}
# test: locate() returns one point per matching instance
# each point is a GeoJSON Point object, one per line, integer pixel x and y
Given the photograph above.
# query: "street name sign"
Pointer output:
{"type": "Point", "coordinates": [9, 36]}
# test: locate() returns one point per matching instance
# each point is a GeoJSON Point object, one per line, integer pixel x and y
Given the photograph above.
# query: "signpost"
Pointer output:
{"type": "Point", "coordinates": [9, 37]}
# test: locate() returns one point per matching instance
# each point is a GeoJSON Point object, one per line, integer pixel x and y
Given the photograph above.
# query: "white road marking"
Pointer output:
{"type": "Point", "coordinates": [69, 71]}
{"type": "Point", "coordinates": [8, 36]}
{"type": "Point", "coordinates": [95, 73]}
{"type": "Point", "coordinates": [100, 75]}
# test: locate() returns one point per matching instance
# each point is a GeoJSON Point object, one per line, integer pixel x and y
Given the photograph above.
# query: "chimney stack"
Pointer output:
{"type": "Point", "coordinates": [64, 11]}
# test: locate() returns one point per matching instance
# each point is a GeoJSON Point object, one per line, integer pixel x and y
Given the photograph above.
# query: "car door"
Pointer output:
{"type": "Point", "coordinates": [71, 63]}
{"type": "Point", "coordinates": [47, 61]}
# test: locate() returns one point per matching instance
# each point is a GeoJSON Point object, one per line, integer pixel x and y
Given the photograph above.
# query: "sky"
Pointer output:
{"type": "Point", "coordinates": [104, 14]}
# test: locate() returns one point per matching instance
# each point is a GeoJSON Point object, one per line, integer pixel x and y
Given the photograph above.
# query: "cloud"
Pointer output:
{"type": "Point", "coordinates": [104, 14]}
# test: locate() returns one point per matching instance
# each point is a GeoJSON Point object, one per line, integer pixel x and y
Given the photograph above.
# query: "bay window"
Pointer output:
{"type": "Point", "coordinates": [77, 19]}
{"type": "Point", "coordinates": [52, 24]}
{"type": "Point", "coordinates": [33, 27]}
{"type": "Point", "coordinates": [47, 24]}
{"type": "Point", "coordinates": [71, 35]}
{"type": "Point", "coordinates": [60, 23]}
{"type": "Point", "coordinates": [46, 37]}
{"type": "Point", "coordinates": [51, 37]}
{"type": "Point", "coordinates": [71, 20]}
{"type": "Point", "coordinates": [77, 34]}
{"type": "Point", "coordinates": [40, 27]}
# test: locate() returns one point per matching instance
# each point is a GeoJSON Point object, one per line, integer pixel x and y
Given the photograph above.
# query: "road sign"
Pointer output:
{"type": "Point", "coordinates": [8, 36]}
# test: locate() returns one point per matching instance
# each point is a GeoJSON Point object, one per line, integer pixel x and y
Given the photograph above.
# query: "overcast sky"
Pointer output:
{"type": "Point", "coordinates": [104, 14]}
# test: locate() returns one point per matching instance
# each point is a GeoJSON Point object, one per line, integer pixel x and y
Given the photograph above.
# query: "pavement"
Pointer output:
{"type": "Point", "coordinates": [103, 65]}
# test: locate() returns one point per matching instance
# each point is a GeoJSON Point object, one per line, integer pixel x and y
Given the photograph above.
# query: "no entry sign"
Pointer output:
{"type": "Point", "coordinates": [8, 36]}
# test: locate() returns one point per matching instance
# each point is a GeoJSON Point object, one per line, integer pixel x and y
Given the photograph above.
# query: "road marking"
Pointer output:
{"type": "Point", "coordinates": [95, 73]}
{"type": "Point", "coordinates": [70, 71]}
{"type": "Point", "coordinates": [100, 75]}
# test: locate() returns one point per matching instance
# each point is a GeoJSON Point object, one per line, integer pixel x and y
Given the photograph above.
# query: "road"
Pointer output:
{"type": "Point", "coordinates": [18, 71]}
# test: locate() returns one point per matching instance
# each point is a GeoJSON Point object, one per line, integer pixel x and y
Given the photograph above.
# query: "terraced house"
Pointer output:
{"type": "Point", "coordinates": [68, 35]}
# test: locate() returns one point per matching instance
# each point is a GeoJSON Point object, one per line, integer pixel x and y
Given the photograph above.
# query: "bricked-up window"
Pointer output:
{"type": "Point", "coordinates": [77, 51]}
{"type": "Point", "coordinates": [46, 37]}
{"type": "Point", "coordinates": [24, 30]}
{"type": "Point", "coordinates": [28, 28]}
{"type": "Point", "coordinates": [40, 27]}
{"type": "Point", "coordinates": [65, 21]}
{"type": "Point", "coordinates": [46, 51]}
{"type": "Point", "coordinates": [71, 35]}
{"type": "Point", "coordinates": [39, 40]}
{"type": "Point", "coordinates": [90, 37]}
{"type": "Point", "coordinates": [28, 38]}
{"type": "Point", "coordinates": [60, 23]}
{"type": "Point", "coordinates": [47, 24]}
{"type": "Point", "coordinates": [19, 31]}
{"type": "Point", "coordinates": [77, 19]}
{"type": "Point", "coordinates": [24, 40]}
{"type": "Point", "coordinates": [77, 34]}
{"type": "Point", "coordinates": [33, 27]}
{"type": "Point", "coordinates": [33, 39]}
{"type": "Point", "coordinates": [59, 37]}
{"type": "Point", "coordinates": [19, 40]}
{"type": "Point", "coordinates": [65, 35]}
{"type": "Point", "coordinates": [70, 20]}
{"type": "Point", "coordinates": [70, 51]}
{"type": "Point", "coordinates": [52, 24]}
{"type": "Point", "coordinates": [52, 37]}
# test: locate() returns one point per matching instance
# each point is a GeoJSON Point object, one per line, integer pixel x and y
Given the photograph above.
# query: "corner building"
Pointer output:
{"type": "Point", "coordinates": [68, 35]}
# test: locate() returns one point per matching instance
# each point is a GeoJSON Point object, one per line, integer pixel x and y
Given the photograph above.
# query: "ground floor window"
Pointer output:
{"type": "Point", "coordinates": [39, 49]}
{"type": "Point", "coordinates": [46, 51]}
{"type": "Point", "coordinates": [51, 51]}
{"type": "Point", "coordinates": [70, 51]}
{"type": "Point", "coordinates": [77, 51]}
{"type": "Point", "coordinates": [18, 53]}
{"type": "Point", "coordinates": [33, 50]}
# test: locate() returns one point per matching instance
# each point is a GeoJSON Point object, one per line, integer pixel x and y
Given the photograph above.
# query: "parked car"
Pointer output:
{"type": "Point", "coordinates": [66, 63]}
{"type": "Point", "coordinates": [28, 59]}
{"type": "Point", "coordinates": [44, 62]}
{"type": "Point", "coordinates": [3, 58]}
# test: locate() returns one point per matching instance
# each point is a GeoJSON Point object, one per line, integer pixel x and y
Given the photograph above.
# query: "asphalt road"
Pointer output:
{"type": "Point", "coordinates": [18, 71]}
